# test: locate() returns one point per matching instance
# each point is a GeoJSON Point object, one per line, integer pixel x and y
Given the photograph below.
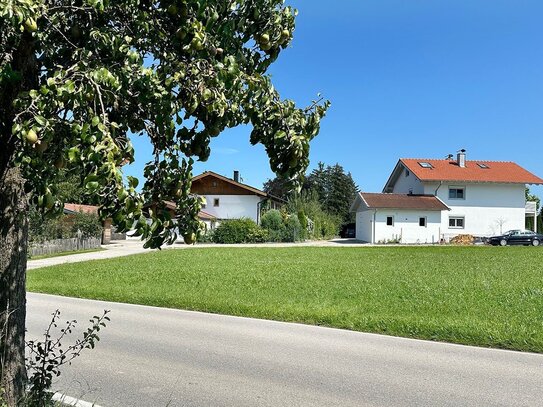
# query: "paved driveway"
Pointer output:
{"type": "Point", "coordinates": [128, 247]}
{"type": "Point", "coordinates": [161, 357]}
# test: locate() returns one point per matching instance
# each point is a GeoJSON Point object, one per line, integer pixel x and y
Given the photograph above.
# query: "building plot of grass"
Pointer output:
{"type": "Point", "coordinates": [485, 296]}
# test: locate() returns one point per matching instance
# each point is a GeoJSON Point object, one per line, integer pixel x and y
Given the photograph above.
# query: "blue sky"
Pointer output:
{"type": "Point", "coordinates": [414, 79]}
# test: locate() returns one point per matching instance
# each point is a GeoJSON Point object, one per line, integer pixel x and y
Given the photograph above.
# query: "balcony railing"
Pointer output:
{"type": "Point", "coordinates": [531, 208]}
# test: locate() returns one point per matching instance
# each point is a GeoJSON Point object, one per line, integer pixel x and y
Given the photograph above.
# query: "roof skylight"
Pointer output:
{"type": "Point", "coordinates": [425, 165]}
{"type": "Point", "coordinates": [483, 165]}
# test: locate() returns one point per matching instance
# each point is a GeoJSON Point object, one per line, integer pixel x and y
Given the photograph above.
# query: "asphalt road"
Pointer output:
{"type": "Point", "coordinates": [160, 357]}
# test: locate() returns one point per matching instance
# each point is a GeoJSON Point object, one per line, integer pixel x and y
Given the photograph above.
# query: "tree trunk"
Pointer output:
{"type": "Point", "coordinates": [13, 254]}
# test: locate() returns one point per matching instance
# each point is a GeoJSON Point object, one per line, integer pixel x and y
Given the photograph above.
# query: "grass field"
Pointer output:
{"type": "Point", "coordinates": [486, 296]}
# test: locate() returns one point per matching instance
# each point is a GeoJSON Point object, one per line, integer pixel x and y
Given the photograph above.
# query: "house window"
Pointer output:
{"type": "Point", "coordinates": [390, 220]}
{"type": "Point", "coordinates": [457, 193]}
{"type": "Point", "coordinates": [422, 221]}
{"type": "Point", "coordinates": [216, 202]}
{"type": "Point", "coordinates": [456, 222]}
{"type": "Point", "coordinates": [407, 173]}
{"type": "Point", "coordinates": [213, 183]}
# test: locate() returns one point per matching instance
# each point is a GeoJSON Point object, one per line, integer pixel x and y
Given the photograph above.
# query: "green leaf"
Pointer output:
{"type": "Point", "coordinates": [40, 120]}
{"type": "Point", "coordinates": [92, 186]}
{"type": "Point", "coordinates": [73, 154]}
{"type": "Point", "coordinates": [132, 181]}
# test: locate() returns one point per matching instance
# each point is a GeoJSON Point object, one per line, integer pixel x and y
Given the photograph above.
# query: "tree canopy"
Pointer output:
{"type": "Point", "coordinates": [81, 76]}
{"type": "Point", "coordinates": [78, 78]}
{"type": "Point", "coordinates": [334, 188]}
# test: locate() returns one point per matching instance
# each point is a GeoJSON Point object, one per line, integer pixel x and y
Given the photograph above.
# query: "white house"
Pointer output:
{"type": "Point", "coordinates": [480, 198]}
{"type": "Point", "coordinates": [384, 218]}
{"type": "Point", "coordinates": [228, 198]}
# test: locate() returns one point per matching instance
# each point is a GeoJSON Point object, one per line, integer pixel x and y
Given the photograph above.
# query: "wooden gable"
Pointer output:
{"type": "Point", "coordinates": [209, 184]}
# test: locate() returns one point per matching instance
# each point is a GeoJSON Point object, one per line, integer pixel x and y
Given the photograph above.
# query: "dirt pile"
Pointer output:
{"type": "Point", "coordinates": [464, 240]}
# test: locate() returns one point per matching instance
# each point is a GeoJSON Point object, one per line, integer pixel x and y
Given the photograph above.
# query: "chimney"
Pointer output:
{"type": "Point", "coordinates": [461, 158]}
{"type": "Point", "coordinates": [236, 176]}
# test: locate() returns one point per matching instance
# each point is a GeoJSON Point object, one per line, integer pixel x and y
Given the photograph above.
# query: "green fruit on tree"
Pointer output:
{"type": "Point", "coordinates": [172, 9]}
{"type": "Point", "coordinates": [31, 136]}
{"type": "Point", "coordinates": [285, 35]}
{"type": "Point", "coordinates": [189, 238]}
{"type": "Point", "coordinates": [184, 12]}
{"type": "Point", "coordinates": [75, 32]}
{"type": "Point", "coordinates": [60, 163]}
{"type": "Point", "coordinates": [264, 39]}
{"type": "Point", "coordinates": [197, 45]}
{"type": "Point", "coordinates": [41, 147]}
{"type": "Point", "coordinates": [48, 200]}
{"type": "Point", "coordinates": [196, 149]}
{"type": "Point", "coordinates": [181, 34]}
{"type": "Point", "coordinates": [30, 25]}
{"type": "Point", "coordinates": [214, 131]}
{"type": "Point", "coordinates": [208, 94]}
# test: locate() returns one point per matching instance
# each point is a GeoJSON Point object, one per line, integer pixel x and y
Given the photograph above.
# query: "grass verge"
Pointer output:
{"type": "Point", "coordinates": [484, 296]}
{"type": "Point", "coordinates": [61, 254]}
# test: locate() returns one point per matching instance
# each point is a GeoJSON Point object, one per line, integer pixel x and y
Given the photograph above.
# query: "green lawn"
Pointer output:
{"type": "Point", "coordinates": [487, 296]}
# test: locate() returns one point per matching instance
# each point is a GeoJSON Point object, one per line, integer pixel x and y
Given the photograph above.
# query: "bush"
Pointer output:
{"type": "Point", "coordinates": [258, 235]}
{"type": "Point", "coordinates": [324, 224]}
{"type": "Point", "coordinates": [293, 229]}
{"type": "Point", "coordinates": [206, 237]}
{"type": "Point", "coordinates": [282, 227]}
{"type": "Point", "coordinates": [88, 224]}
{"type": "Point", "coordinates": [272, 221]}
{"type": "Point", "coordinates": [63, 227]}
{"type": "Point", "coordinates": [45, 358]}
{"type": "Point", "coordinates": [303, 224]}
{"type": "Point", "coordinates": [242, 230]}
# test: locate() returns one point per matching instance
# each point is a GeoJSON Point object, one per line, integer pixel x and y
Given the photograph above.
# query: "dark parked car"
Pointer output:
{"type": "Point", "coordinates": [525, 237]}
{"type": "Point", "coordinates": [348, 231]}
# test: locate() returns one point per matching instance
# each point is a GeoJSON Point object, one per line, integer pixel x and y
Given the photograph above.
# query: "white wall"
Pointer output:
{"type": "Point", "coordinates": [233, 206]}
{"type": "Point", "coordinates": [364, 225]}
{"type": "Point", "coordinates": [484, 208]}
{"type": "Point", "coordinates": [406, 183]}
{"type": "Point", "coordinates": [405, 226]}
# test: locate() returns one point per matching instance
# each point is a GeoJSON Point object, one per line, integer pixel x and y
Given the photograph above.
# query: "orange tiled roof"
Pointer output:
{"type": "Point", "coordinates": [448, 170]}
{"type": "Point", "coordinates": [202, 214]}
{"type": "Point", "coordinates": [206, 216]}
{"type": "Point", "coordinates": [81, 208]}
{"type": "Point", "coordinates": [403, 201]}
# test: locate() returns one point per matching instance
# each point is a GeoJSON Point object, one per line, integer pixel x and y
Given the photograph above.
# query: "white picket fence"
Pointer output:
{"type": "Point", "coordinates": [63, 245]}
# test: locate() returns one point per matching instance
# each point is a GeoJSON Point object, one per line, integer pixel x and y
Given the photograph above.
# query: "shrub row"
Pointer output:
{"type": "Point", "coordinates": [64, 227]}
{"type": "Point", "coordinates": [275, 227]}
